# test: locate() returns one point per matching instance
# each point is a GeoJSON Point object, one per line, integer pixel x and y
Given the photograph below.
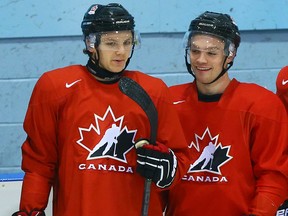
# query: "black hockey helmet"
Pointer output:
{"type": "Point", "coordinates": [104, 18]}
{"type": "Point", "coordinates": [216, 24]}
{"type": "Point", "coordinates": [101, 20]}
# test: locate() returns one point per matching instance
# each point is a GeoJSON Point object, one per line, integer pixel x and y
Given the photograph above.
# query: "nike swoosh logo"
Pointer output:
{"type": "Point", "coordinates": [284, 82]}
{"type": "Point", "coordinates": [178, 102]}
{"type": "Point", "coordinates": [68, 85]}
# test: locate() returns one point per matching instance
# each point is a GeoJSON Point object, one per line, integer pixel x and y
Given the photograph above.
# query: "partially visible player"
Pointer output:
{"type": "Point", "coordinates": [282, 92]}
{"type": "Point", "coordinates": [246, 172]}
{"type": "Point", "coordinates": [282, 86]}
{"type": "Point", "coordinates": [82, 130]}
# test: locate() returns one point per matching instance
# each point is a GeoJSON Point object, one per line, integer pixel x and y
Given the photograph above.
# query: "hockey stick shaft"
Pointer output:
{"type": "Point", "coordinates": [134, 91]}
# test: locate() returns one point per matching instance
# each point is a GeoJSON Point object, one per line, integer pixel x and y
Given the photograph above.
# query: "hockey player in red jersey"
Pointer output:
{"type": "Point", "coordinates": [282, 86]}
{"type": "Point", "coordinates": [82, 129]}
{"type": "Point", "coordinates": [282, 93]}
{"type": "Point", "coordinates": [247, 169]}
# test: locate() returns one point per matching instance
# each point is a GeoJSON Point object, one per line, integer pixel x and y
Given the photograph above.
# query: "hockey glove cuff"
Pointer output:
{"type": "Point", "coordinates": [32, 213]}
{"type": "Point", "coordinates": [156, 162]}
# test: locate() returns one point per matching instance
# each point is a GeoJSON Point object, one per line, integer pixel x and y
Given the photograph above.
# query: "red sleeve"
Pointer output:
{"type": "Point", "coordinates": [38, 161]}
{"type": "Point", "coordinates": [35, 192]}
{"type": "Point", "coordinates": [269, 155]}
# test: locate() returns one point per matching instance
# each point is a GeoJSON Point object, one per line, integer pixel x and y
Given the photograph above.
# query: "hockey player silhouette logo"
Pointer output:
{"type": "Point", "coordinates": [211, 156]}
{"type": "Point", "coordinates": [107, 137]}
{"type": "Point", "coordinates": [206, 156]}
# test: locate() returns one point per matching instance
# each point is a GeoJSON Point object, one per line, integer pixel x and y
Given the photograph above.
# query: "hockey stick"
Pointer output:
{"type": "Point", "coordinates": [134, 91]}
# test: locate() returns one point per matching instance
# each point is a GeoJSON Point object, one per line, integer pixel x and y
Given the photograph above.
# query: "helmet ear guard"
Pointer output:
{"type": "Point", "coordinates": [231, 49]}
{"type": "Point", "coordinates": [91, 41]}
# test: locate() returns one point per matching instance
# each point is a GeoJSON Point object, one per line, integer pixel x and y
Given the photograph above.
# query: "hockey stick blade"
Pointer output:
{"type": "Point", "coordinates": [134, 91]}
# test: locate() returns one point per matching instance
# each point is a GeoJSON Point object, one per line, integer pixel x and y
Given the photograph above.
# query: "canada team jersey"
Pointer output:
{"type": "Point", "coordinates": [237, 144]}
{"type": "Point", "coordinates": [282, 86]}
{"type": "Point", "coordinates": [82, 132]}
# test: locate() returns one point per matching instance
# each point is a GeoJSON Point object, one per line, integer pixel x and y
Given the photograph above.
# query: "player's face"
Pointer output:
{"type": "Point", "coordinates": [114, 50]}
{"type": "Point", "coordinates": [206, 57]}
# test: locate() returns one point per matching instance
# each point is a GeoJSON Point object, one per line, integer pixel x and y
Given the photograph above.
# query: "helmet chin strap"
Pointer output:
{"type": "Point", "coordinates": [105, 75]}
{"type": "Point", "coordinates": [224, 70]}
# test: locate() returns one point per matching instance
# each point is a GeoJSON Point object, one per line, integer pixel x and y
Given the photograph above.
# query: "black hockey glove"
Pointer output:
{"type": "Point", "coordinates": [32, 213]}
{"type": "Point", "coordinates": [156, 162]}
{"type": "Point", "coordinates": [283, 209]}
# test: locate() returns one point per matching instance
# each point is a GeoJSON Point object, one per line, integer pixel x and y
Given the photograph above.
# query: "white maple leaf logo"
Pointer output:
{"type": "Point", "coordinates": [212, 155]}
{"type": "Point", "coordinates": [107, 138]}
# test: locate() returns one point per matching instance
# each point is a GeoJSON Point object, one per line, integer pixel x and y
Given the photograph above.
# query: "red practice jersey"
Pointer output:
{"type": "Point", "coordinates": [80, 141]}
{"type": "Point", "coordinates": [239, 152]}
{"type": "Point", "coordinates": [282, 86]}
